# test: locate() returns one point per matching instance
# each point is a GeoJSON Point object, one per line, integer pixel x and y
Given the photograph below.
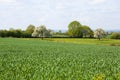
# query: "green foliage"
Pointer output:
{"type": "Point", "coordinates": [34, 59]}
{"type": "Point", "coordinates": [59, 34]}
{"type": "Point", "coordinates": [115, 35]}
{"type": "Point", "coordinates": [3, 33]}
{"type": "Point", "coordinates": [74, 29]}
{"type": "Point", "coordinates": [18, 33]}
{"type": "Point", "coordinates": [30, 29]}
{"type": "Point", "coordinates": [11, 33]}
{"type": "Point", "coordinates": [87, 31]}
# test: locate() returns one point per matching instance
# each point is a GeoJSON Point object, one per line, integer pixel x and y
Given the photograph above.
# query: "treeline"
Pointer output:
{"type": "Point", "coordinates": [14, 33]}
{"type": "Point", "coordinates": [18, 33]}
{"type": "Point", "coordinates": [75, 30]}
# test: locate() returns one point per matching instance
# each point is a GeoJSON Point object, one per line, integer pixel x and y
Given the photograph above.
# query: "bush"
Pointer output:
{"type": "Point", "coordinates": [115, 35]}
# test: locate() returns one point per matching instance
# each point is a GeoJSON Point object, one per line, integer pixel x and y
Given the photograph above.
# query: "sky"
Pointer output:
{"type": "Point", "coordinates": [57, 14]}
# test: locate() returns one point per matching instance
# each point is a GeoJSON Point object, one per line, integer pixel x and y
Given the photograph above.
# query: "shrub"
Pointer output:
{"type": "Point", "coordinates": [115, 35]}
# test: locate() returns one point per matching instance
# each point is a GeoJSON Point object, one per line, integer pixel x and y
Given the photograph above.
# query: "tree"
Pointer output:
{"type": "Point", "coordinates": [115, 35]}
{"type": "Point", "coordinates": [30, 29]}
{"type": "Point", "coordinates": [74, 29]}
{"type": "Point", "coordinates": [87, 31]}
{"type": "Point", "coordinates": [3, 33]}
{"type": "Point", "coordinates": [41, 31]}
{"type": "Point", "coordinates": [99, 33]}
{"type": "Point", "coordinates": [18, 33]}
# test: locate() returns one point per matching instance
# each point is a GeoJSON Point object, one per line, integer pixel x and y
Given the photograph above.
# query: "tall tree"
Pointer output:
{"type": "Point", "coordinates": [30, 29]}
{"type": "Point", "coordinates": [99, 33]}
{"type": "Point", "coordinates": [74, 29]}
{"type": "Point", "coordinates": [87, 31]}
{"type": "Point", "coordinates": [41, 31]}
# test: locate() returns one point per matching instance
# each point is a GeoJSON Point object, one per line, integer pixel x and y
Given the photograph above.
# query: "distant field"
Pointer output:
{"type": "Point", "coordinates": [86, 41]}
{"type": "Point", "coordinates": [36, 59]}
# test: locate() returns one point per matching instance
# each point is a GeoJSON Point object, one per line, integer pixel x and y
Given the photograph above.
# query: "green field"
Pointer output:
{"type": "Point", "coordinates": [36, 59]}
{"type": "Point", "coordinates": [111, 42]}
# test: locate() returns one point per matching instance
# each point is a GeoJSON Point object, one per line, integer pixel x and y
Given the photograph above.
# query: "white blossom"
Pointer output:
{"type": "Point", "coordinates": [99, 33]}
{"type": "Point", "coordinates": [41, 31]}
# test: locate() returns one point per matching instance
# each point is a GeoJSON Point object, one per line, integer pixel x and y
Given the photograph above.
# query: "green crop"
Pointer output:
{"type": "Point", "coordinates": [34, 59]}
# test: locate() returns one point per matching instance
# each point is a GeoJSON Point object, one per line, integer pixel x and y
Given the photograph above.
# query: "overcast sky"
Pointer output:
{"type": "Point", "coordinates": [57, 14]}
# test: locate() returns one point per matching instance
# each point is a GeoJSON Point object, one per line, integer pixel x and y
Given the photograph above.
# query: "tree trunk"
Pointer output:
{"type": "Point", "coordinates": [99, 38]}
{"type": "Point", "coordinates": [42, 36]}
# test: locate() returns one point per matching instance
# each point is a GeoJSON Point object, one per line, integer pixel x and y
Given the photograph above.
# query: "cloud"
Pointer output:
{"type": "Point", "coordinates": [97, 1]}
{"type": "Point", "coordinates": [7, 1]}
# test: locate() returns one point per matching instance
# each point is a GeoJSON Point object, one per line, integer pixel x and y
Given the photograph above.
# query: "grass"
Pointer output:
{"type": "Point", "coordinates": [35, 59]}
{"type": "Point", "coordinates": [86, 41]}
